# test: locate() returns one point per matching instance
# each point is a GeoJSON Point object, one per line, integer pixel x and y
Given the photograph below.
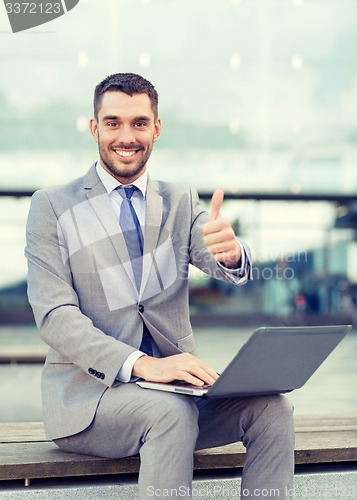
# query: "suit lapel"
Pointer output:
{"type": "Point", "coordinates": [154, 212]}
{"type": "Point", "coordinates": [100, 202]}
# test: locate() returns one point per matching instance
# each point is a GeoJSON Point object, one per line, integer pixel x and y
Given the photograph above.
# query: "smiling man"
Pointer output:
{"type": "Point", "coordinates": [125, 135]}
{"type": "Point", "coordinates": [108, 258]}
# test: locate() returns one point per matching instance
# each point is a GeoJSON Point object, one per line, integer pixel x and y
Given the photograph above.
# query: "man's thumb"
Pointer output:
{"type": "Point", "coordinates": [216, 203]}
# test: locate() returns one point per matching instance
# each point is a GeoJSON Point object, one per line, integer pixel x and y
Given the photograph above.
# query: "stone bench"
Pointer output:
{"type": "Point", "coordinates": [25, 454]}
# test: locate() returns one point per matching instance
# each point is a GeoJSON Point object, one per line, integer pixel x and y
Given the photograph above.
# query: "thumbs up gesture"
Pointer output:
{"type": "Point", "coordinates": [219, 236]}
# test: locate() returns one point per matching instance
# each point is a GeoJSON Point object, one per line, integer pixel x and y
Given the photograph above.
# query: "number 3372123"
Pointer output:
{"type": "Point", "coordinates": [33, 8]}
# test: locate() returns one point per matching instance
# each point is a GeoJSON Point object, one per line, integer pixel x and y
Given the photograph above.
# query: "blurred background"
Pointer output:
{"type": "Point", "coordinates": [258, 97]}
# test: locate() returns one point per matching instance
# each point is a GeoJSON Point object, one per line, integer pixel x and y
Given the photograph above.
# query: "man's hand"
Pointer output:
{"type": "Point", "coordinates": [219, 236]}
{"type": "Point", "coordinates": [183, 366]}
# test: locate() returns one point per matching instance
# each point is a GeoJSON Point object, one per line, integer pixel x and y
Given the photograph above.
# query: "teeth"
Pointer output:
{"type": "Point", "coordinates": [125, 153]}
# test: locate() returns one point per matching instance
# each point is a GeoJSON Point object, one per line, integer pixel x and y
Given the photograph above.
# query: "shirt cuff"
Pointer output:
{"type": "Point", "coordinates": [124, 374]}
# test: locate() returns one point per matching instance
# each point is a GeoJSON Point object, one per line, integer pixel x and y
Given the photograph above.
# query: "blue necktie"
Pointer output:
{"type": "Point", "coordinates": [134, 240]}
{"type": "Point", "coordinates": [132, 233]}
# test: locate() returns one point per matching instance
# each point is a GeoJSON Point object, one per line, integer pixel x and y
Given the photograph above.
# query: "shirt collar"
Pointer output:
{"type": "Point", "coordinates": [110, 183]}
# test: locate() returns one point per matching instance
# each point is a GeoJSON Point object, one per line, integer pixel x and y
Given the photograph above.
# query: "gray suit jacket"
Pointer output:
{"type": "Point", "coordinates": [83, 294]}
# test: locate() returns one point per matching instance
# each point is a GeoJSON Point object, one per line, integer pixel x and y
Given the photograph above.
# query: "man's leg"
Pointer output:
{"type": "Point", "coordinates": [161, 426]}
{"type": "Point", "coordinates": [265, 426]}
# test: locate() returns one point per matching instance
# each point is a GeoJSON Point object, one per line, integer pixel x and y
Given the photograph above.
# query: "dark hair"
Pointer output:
{"type": "Point", "coordinates": [130, 84]}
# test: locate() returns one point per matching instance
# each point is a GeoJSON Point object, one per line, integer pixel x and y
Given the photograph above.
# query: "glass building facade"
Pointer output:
{"type": "Point", "coordinates": [257, 97]}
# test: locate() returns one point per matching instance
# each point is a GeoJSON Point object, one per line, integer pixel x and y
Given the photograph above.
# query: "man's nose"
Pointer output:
{"type": "Point", "coordinates": [126, 134]}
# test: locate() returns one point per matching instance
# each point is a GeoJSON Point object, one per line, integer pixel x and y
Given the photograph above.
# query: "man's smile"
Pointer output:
{"type": "Point", "coordinates": [126, 153]}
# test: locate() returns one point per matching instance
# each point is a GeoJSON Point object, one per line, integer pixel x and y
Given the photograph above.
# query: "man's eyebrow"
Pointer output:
{"type": "Point", "coordinates": [135, 119]}
{"type": "Point", "coordinates": [110, 117]}
{"type": "Point", "coordinates": [142, 118]}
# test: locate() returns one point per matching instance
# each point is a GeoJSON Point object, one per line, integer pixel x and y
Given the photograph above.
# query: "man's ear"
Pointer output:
{"type": "Point", "coordinates": [93, 125]}
{"type": "Point", "coordinates": [157, 128]}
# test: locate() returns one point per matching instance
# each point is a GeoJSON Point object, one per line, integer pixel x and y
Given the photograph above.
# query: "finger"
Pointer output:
{"type": "Point", "coordinates": [225, 234]}
{"type": "Point", "coordinates": [215, 226]}
{"type": "Point", "coordinates": [205, 373]}
{"type": "Point", "coordinates": [205, 376]}
{"type": "Point", "coordinates": [190, 379]}
{"type": "Point", "coordinates": [229, 259]}
{"type": "Point", "coordinates": [195, 368]}
{"type": "Point", "coordinates": [198, 379]}
{"type": "Point", "coordinates": [221, 249]}
{"type": "Point", "coordinates": [203, 365]}
{"type": "Point", "coordinates": [216, 203]}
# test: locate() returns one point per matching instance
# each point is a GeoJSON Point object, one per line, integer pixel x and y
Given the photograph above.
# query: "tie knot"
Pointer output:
{"type": "Point", "coordinates": [128, 191]}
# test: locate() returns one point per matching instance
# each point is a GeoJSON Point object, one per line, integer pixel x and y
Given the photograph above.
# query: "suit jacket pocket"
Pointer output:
{"type": "Point", "coordinates": [187, 344]}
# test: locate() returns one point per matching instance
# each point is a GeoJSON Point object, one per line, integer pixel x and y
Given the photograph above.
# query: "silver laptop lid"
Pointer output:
{"type": "Point", "coordinates": [277, 360]}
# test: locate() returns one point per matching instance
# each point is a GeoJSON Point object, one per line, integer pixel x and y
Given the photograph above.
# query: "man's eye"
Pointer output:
{"type": "Point", "coordinates": [141, 124]}
{"type": "Point", "coordinates": [112, 124]}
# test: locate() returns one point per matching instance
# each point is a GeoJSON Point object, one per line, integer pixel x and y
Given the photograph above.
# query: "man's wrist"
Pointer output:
{"type": "Point", "coordinates": [125, 372]}
{"type": "Point", "coordinates": [138, 367]}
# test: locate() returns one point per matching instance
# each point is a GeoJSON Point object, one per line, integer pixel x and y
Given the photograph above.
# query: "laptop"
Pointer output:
{"type": "Point", "coordinates": [274, 360]}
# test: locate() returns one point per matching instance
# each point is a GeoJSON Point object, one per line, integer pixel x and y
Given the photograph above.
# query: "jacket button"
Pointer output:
{"type": "Point", "coordinates": [90, 371]}
{"type": "Point", "coordinates": [102, 376]}
{"type": "Point", "coordinates": [141, 308]}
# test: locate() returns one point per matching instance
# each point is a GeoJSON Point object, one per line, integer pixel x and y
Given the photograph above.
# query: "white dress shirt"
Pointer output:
{"type": "Point", "coordinates": [138, 200]}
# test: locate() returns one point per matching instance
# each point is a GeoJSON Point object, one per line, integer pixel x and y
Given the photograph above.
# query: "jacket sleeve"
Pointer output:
{"type": "Point", "coordinates": [55, 303]}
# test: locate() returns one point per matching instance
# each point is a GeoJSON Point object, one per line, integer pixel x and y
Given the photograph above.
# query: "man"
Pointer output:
{"type": "Point", "coordinates": [108, 259]}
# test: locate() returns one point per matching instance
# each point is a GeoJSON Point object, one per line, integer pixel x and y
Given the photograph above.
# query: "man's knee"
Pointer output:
{"type": "Point", "coordinates": [282, 405]}
{"type": "Point", "coordinates": [275, 405]}
{"type": "Point", "coordinates": [178, 414]}
{"type": "Point", "coordinates": [272, 415]}
{"type": "Point", "coordinates": [278, 416]}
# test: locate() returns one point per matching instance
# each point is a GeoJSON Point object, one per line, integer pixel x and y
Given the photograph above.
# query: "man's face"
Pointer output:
{"type": "Point", "coordinates": [125, 131]}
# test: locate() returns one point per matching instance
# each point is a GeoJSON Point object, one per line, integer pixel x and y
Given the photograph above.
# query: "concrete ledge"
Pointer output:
{"type": "Point", "coordinates": [336, 485]}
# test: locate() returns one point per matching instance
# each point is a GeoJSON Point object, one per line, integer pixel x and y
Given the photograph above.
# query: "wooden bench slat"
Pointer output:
{"type": "Point", "coordinates": [332, 439]}
{"type": "Point", "coordinates": [25, 452]}
{"type": "Point", "coordinates": [311, 423]}
{"type": "Point", "coordinates": [21, 461]}
{"type": "Point", "coordinates": [16, 432]}
{"type": "Point", "coordinates": [45, 460]}
{"type": "Point", "coordinates": [22, 432]}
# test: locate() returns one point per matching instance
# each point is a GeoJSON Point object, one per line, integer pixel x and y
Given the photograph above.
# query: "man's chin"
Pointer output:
{"type": "Point", "coordinates": [123, 170]}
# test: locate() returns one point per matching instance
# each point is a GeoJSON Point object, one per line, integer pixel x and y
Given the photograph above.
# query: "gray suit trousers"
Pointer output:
{"type": "Point", "coordinates": [166, 428]}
